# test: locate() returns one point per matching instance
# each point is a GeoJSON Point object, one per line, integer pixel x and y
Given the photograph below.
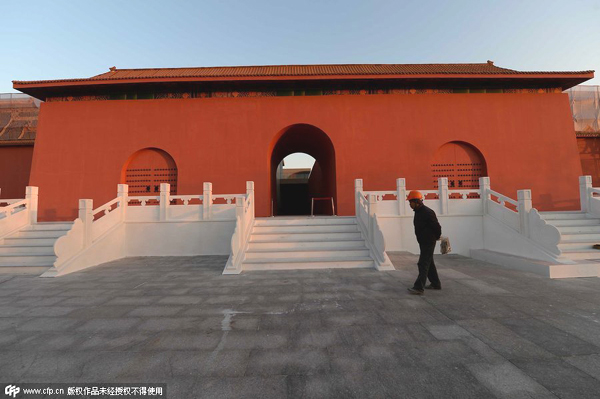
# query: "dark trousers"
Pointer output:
{"type": "Point", "coordinates": [427, 269]}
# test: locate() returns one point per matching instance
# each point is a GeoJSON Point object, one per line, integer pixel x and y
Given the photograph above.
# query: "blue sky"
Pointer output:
{"type": "Point", "coordinates": [77, 38]}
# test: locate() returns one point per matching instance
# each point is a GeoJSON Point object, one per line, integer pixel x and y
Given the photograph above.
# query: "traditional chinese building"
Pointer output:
{"type": "Point", "coordinates": [228, 125]}
{"type": "Point", "coordinates": [18, 124]}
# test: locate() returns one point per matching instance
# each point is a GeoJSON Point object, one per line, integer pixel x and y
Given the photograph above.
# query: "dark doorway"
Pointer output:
{"type": "Point", "coordinates": [293, 191]}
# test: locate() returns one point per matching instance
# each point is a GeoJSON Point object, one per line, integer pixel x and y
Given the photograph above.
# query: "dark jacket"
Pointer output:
{"type": "Point", "coordinates": [427, 227]}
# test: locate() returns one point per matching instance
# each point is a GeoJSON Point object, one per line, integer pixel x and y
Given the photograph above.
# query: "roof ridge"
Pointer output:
{"type": "Point", "coordinates": [114, 69]}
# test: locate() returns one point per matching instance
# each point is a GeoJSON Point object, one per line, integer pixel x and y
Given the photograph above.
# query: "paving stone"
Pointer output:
{"type": "Point", "coordinates": [231, 363]}
{"type": "Point", "coordinates": [183, 340]}
{"type": "Point", "coordinates": [288, 362]}
{"type": "Point", "coordinates": [589, 364]}
{"type": "Point", "coordinates": [48, 324]}
{"type": "Point", "coordinates": [109, 324]}
{"type": "Point", "coordinates": [505, 380]}
{"type": "Point", "coordinates": [48, 311]}
{"type": "Point", "coordinates": [503, 340]}
{"type": "Point", "coordinates": [561, 378]}
{"type": "Point", "coordinates": [481, 287]}
{"type": "Point", "coordinates": [9, 311]}
{"type": "Point", "coordinates": [447, 331]}
{"type": "Point", "coordinates": [550, 338]}
{"type": "Point", "coordinates": [169, 324]}
{"type": "Point", "coordinates": [113, 340]}
{"type": "Point", "coordinates": [242, 387]}
{"type": "Point", "coordinates": [58, 365]}
{"type": "Point", "coordinates": [156, 311]}
{"type": "Point", "coordinates": [271, 339]}
{"type": "Point", "coordinates": [180, 300]}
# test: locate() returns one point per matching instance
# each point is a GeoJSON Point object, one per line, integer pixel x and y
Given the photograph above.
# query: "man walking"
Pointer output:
{"type": "Point", "coordinates": [428, 231]}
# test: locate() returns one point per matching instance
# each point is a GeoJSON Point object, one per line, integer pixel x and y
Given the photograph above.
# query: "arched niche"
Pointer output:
{"type": "Point", "coordinates": [145, 169]}
{"type": "Point", "coordinates": [461, 163]}
{"type": "Point", "coordinates": [311, 140]}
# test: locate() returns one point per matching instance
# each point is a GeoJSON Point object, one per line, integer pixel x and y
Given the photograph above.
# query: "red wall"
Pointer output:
{"type": "Point", "coordinates": [527, 140]}
{"type": "Point", "coordinates": [589, 150]}
{"type": "Point", "coordinates": [15, 165]}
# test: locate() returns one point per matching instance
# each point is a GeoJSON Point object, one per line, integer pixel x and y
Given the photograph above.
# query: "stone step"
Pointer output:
{"type": "Point", "coordinates": [575, 222]}
{"type": "Point", "coordinates": [563, 215]}
{"type": "Point", "coordinates": [579, 229]}
{"type": "Point", "coordinates": [14, 241]}
{"type": "Point", "coordinates": [307, 253]}
{"type": "Point", "coordinates": [304, 237]}
{"type": "Point", "coordinates": [26, 250]}
{"type": "Point", "coordinates": [49, 226]}
{"type": "Point", "coordinates": [581, 254]}
{"type": "Point", "coordinates": [312, 244]}
{"type": "Point", "coordinates": [27, 260]}
{"type": "Point", "coordinates": [343, 228]}
{"type": "Point", "coordinates": [304, 221]}
{"type": "Point", "coordinates": [20, 269]}
{"type": "Point", "coordinates": [307, 263]}
{"type": "Point", "coordinates": [40, 233]}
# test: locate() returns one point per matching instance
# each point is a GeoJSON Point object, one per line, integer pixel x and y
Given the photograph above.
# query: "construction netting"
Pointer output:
{"type": "Point", "coordinates": [585, 107]}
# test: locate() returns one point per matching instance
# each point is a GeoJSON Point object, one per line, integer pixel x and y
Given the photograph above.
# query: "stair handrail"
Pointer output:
{"type": "Point", "coordinates": [521, 217]}
{"type": "Point", "coordinates": [91, 225]}
{"type": "Point", "coordinates": [368, 223]}
{"type": "Point", "coordinates": [589, 196]}
{"type": "Point", "coordinates": [244, 223]}
{"type": "Point", "coordinates": [19, 213]}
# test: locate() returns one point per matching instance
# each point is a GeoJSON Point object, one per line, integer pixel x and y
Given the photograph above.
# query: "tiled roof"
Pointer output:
{"type": "Point", "coordinates": [487, 68]}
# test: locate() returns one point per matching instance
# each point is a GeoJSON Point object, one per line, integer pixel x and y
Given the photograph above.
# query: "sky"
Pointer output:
{"type": "Point", "coordinates": [62, 39]}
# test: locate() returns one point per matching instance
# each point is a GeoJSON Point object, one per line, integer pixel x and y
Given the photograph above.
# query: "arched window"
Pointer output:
{"type": "Point", "coordinates": [146, 169]}
{"type": "Point", "coordinates": [461, 163]}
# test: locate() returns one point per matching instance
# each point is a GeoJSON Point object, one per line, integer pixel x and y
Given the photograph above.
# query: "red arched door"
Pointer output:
{"type": "Point", "coordinates": [146, 169]}
{"type": "Point", "coordinates": [461, 163]}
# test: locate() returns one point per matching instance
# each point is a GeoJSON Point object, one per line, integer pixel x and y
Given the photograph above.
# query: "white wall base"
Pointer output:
{"type": "Point", "coordinates": [543, 268]}
{"type": "Point", "coordinates": [152, 239]}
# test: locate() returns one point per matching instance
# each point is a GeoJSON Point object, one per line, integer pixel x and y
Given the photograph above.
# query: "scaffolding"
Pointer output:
{"type": "Point", "coordinates": [585, 107]}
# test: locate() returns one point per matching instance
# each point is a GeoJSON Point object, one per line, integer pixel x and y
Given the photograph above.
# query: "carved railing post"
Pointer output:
{"type": "Point", "coordinates": [443, 194]}
{"type": "Point", "coordinates": [86, 207]}
{"type": "Point", "coordinates": [206, 201]}
{"type": "Point", "coordinates": [358, 187]}
{"type": "Point", "coordinates": [372, 201]}
{"type": "Point", "coordinates": [239, 214]}
{"type": "Point", "coordinates": [250, 194]}
{"type": "Point", "coordinates": [401, 194]}
{"type": "Point", "coordinates": [31, 194]}
{"type": "Point", "coordinates": [165, 200]}
{"type": "Point", "coordinates": [585, 184]}
{"type": "Point", "coordinates": [484, 186]}
{"type": "Point", "coordinates": [524, 207]}
{"type": "Point", "coordinates": [123, 194]}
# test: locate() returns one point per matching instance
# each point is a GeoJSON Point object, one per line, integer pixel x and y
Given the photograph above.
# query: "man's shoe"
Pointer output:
{"type": "Point", "coordinates": [433, 287]}
{"type": "Point", "coordinates": [415, 291]}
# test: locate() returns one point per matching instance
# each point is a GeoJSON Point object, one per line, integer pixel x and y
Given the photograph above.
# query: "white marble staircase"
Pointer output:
{"type": "Point", "coordinates": [579, 232]}
{"type": "Point", "coordinates": [31, 249]}
{"type": "Point", "coordinates": [284, 243]}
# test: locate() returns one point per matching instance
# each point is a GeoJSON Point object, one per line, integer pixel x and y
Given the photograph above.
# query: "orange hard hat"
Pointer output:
{"type": "Point", "coordinates": [414, 194]}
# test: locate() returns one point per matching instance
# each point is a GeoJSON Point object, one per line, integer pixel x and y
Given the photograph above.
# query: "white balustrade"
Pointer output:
{"type": "Point", "coordinates": [519, 215]}
{"type": "Point", "coordinates": [589, 196]}
{"type": "Point", "coordinates": [244, 215]}
{"type": "Point", "coordinates": [366, 216]}
{"type": "Point", "coordinates": [18, 213]}
{"type": "Point", "coordinates": [94, 224]}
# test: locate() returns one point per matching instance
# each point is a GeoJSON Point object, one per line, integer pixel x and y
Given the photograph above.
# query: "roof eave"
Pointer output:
{"type": "Point", "coordinates": [33, 88]}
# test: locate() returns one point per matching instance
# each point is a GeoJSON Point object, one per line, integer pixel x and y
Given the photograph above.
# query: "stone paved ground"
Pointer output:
{"type": "Point", "coordinates": [305, 334]}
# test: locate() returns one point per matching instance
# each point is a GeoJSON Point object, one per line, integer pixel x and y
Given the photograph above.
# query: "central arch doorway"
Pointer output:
{"type": "Point", "coordinates": [320, 183]}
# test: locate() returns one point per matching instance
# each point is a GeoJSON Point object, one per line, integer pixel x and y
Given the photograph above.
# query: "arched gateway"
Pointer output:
{"type": "Point", "coordinates": [322, 180]}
